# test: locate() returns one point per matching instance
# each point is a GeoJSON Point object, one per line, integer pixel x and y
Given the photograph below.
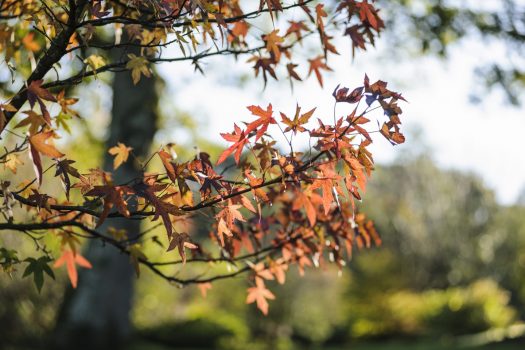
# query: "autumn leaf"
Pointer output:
{"type": "Point", "coordinates": [239, 139]}
{"type": "Point", "coordinates": [272, 5]}
{"type": "Point", "coordinates": [278, 269]}
{"type": "Point", "coordinates": [273, 40]}
{"type": "Point", "coordinates": [296, 28]}
{"type": "Point", "coordinates": [368, 13]}
{"type": "Point", "coordinates": [260, 125]}
{"type": "Point", "coordinates": [290, 67]}
{"type": "Point", "coordinates": [316, 65]}
{"type": "Point", "coordinates": [138, 66]}
{"type": "Point", "coordinates": [12, 162]}
{"type": "Point", "coordinates": [112, 196]}
{"type": "Point", "coordinates": [121, 153]}
{"type": "Point", "coordinates": [222, 229]}
{"type": "Point", "coordinates": [181, 241]}
{"type": "Point", "coordinates": [95, 62]}
{"type": "Point", "coordinates": [37, 145]}
{"type": "Point", "coordinates": [259, 294]}
{"type": "Point", "coordinates": [296, 125]}
{"type": "Point", "coordinates": [204, 287]}
{"type": "Point", "coordinates": [303, 202]}
{"type": "Point", "coordinates": [34, 120]}
{"type": "Point", "coordinates": [29, 42]}
{"type": "Point", "coordinates": [64, 169]}
{"type": "Point", "coordinates": [36, 93]}
{"type": "Point", "coordinates": [261, 270]}
{"type": "Point", "coordinates": [71, 259]}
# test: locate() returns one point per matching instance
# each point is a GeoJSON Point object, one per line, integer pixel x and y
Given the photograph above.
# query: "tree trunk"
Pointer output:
{"type": "Point", "coordinates": [97, 314]}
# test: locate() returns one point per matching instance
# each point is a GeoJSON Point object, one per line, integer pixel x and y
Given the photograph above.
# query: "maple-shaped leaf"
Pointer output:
{"type": "Point", "coordinates": [238, 32]}
{"type": "Point", "coordinates": [259, 294]}
{"type": "Point", "coordinates": [181, 241]}
{"type": "Point", "coordinates": [12, 162]}
{"type": "Point", "coordinates": [327, 186]}
{"type": "Point", "coordinates": [65, 102]}
{"type": "Point", "coordinates": [296, 125]}
{"type": "Point", "coordinates": [266, 65]}
{"type": "Point", "coordinates": [278, 269]}
{"type": "Point", "coordinates": [112, 196]}
{"type": "Point", "coordinates": [36, 93]}
{"type": "Point", "coordinates": [316, 65]}
{"type": "Point", "coordinates": [255, 184]}
{"type": "Point", "coordinates": [226, 220]}
{"type": "Point", "coordinates": [272, 5]}
{"type": "Point", "coordinates": [328, 183]}
{"type": "Point", "coordinates": [34, 120]}
{"type": "Point", "coordinates": [223, 229]}
{"type": "Point", "coordinates": [265, 118]}
{"type": "Point", "coordinates": [204, 287]}
{"type": "Point", "coordinates": [29, 42]}
{"type": "Point", "coordinates": [37, 145]}
{"type": "Point", "coordinates": [303, 202]}
{"type": "Point", "coordinates": [273, 41]}
{"type": "Point", "coordinates": [138, 66]}
{"type": "Point", "coordinates": [247, 204]}
{"type": "Point", "coordinates": [368, 13]}
{"type": "Point", "coordinates": [261, 270]}
{"type": "Point", "coordinates": [121, 153]}
{"type": "Point", "coordinates": [342, 95]}
{"type": "Point", "coordinates": [163, 209]}
{"type": "Point", "coordinates": [290, 67]}
{"type": "Point", "coordinates": [71, 259]}
{"type": "Point", "coordinates": [320, 13]}
{"type": "Point", "coordinates": [64, 169]}
{"type": "Point", "coordinates": [37, 267]}
{"type": "Point", "coordinates": [296, 28]}
{"type": "Point", "coordinates": [166, 159]}
{"type": "Point", "coordinates": [239, 139]}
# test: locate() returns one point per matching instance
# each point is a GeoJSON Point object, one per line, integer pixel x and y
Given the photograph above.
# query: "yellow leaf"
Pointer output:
{"type": "Point", "coordinates": [121, 153]}
{"type": "Point", "coordinates": [11, 162]}
{"type": "Point", "coordinates": [95, 62]}
{"type": "Point", "coordinates": [138, 66]}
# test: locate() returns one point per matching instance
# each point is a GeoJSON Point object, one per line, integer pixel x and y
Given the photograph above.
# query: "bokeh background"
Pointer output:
{"type": "Point", "coordinates": [449, 204]}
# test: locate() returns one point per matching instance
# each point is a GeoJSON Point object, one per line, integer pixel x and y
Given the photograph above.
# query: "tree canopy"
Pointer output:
{"type": "Point", "coordinates": [271, 207]}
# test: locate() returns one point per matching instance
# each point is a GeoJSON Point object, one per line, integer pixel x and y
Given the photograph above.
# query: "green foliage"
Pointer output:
{"type": "Point", "coordinates": [480, 306]}
{"type": "Point", "coordinates": [199, 333]}
{"type": "Point", "coordinates": [37, 267]}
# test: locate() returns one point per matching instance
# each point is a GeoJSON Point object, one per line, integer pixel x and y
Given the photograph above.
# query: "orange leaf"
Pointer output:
{"type": "Point", "coordinates": [38, 142]}
{"type": "Point", "coordinates": [71, 258]}
{"type": "Point", "coordinates": [204, 288]}
{"type": "Point", "coordinates": [259, 294]}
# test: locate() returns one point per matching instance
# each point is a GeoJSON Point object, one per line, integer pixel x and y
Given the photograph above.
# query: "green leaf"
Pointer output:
{"type": "Point", "coordinates": [37, 267]}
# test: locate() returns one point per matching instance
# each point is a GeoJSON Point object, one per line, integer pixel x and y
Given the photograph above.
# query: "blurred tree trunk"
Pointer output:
{"type": "Point", "coordinates": [97, 314]}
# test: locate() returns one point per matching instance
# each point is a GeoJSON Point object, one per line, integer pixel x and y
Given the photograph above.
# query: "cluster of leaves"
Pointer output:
{"type": "Point", "coordinates": [278, 209]}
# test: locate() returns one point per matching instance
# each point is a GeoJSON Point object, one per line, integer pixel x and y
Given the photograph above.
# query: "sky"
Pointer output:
{"type": "Point", "coordinates": [485, 138]}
